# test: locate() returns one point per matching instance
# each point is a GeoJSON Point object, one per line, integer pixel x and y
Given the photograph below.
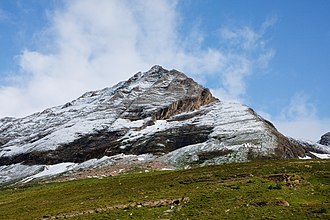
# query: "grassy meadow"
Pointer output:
{"type": "Point", "coordinates": [284, 189]}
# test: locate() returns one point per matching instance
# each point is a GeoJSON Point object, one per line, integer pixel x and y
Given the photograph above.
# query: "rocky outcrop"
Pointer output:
{"type": "Point", "coordinates": [325, 139]}
{"type": "Point", "coordinates": [160, 115]}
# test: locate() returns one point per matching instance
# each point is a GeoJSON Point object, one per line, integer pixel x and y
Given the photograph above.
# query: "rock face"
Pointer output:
{"type": "Point", "coordinates": [158, 116]}
{"type": "Point", "coordinates": [325, 139]}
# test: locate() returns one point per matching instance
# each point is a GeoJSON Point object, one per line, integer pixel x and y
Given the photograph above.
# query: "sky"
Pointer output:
{"type": "Point", "coordinates": [273, 56]}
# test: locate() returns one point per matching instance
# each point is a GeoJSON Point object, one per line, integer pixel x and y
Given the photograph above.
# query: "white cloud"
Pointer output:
{"type": "Point", "coordinates": [90, 45]}
{"type": "Point", "coordinates": [245, 37]}
{"type": "Point", "coordinates": [232, 78]}
{"type": "Point", "coordinates": [307, 129]}
{"type": "Point", "coordinates": [268, 23]}
{"type": "Point", "coordinates": [246, 52]}
{"type": "Point", "coordinates": [299, 108]}
{"type": "Point", "coordinates": [300, 119]}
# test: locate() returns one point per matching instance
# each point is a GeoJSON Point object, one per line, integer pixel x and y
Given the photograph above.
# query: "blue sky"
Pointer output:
{"type": "Point", "coordinates": [271, 55]}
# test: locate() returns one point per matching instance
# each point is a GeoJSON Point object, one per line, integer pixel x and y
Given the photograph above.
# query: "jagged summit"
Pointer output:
{"type": "Point", "coordinates": [144, 93]}
{"type": "Point", "coordinates": [158, 118]}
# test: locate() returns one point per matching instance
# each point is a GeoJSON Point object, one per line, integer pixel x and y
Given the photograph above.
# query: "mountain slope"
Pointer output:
{"type": "Point", "coordinates": [277, 189]}
{"type": "Point", "coordinates": [325, 139]}
{"type": "Point", "coordinates": [159, 117]}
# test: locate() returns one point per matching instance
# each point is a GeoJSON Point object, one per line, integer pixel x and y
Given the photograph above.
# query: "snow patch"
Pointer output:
{"type": "Point", "coordinates": [321, 156]}
{"type": "Point", "coordinates": [51, 170]}
{"type": "Point", "coordinates": [305, 158]}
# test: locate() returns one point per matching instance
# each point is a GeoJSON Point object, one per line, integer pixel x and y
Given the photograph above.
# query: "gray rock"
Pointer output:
{"type": "Point", "coordinates": [325, 139]}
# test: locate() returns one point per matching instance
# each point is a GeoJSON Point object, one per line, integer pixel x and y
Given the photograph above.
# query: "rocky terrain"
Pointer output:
{"type": "Point", "coordinates": [158, 118]}
{"type": "Point", "coordinates": [325, 139]}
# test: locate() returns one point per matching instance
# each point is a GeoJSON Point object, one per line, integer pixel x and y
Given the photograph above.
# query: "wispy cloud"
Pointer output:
{"type": "Point", "coordinates": [300, 107]}
{"type": "Point", "coordinates": [89, 46]}
{"type": "Point", "coordinates": [299, 119]}
{"type": "Point", "coordinates": [247, 52]}
{"type": "Point", "coordinates": [3, 15]}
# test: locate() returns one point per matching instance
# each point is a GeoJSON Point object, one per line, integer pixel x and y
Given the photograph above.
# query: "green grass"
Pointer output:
{"type": "Point", "coordinates": [287, 189]}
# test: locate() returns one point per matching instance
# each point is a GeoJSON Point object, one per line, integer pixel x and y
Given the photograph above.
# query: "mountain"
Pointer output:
{"type": "Point", "coordinates": [325, 139]}
{"type": "Point", "coordinates": [159, 119]}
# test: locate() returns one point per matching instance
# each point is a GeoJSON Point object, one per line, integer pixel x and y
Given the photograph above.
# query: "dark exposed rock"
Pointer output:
{"type": "Point", "coordinates": [288, 148]}
{"type": "Point", "coordinates": [3, 141]}
{"type": "Point", "coordinates": [325, 139]}
{"type": "Point", "coordinates": [105, 143]}
{"type": "Point", "coordinates": [169, 140]}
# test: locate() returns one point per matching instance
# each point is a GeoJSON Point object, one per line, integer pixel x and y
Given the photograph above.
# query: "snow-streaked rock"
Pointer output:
{"type": "Point", "coordinates": [159, 113]}
{"type": "Point", "coordinates": [325, 139]}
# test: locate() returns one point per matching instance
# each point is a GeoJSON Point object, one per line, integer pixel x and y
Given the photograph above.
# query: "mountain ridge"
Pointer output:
{"type": "Point", "coordinates": [157, 117]}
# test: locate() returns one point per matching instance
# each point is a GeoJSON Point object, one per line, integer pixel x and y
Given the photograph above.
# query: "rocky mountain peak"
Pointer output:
{"type": "Point", "coordinates": [325, 139]}
{"type": "Point", "coordinates": [156, 118]}
{"type": "Point", "coordinates": [146, 97]}
{"type": "Point", "coordinates": [156, 69]}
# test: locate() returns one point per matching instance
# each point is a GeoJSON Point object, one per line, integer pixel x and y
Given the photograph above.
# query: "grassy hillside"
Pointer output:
{"type": "Point", "coordinates": [288, 189]}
